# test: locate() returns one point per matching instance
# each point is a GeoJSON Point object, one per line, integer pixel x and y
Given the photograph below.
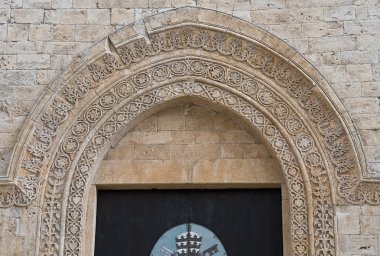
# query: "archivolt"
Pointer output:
{"type": "Point", "coordinates": [279, 93]}
{"type": "Point", "coordinates": [248, 97]}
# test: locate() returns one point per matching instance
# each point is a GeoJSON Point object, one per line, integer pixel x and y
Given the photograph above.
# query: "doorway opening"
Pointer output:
{"type": "Point", "coordinates": [246, 221]}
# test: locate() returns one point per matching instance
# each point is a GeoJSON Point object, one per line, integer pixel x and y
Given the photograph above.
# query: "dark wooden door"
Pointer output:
{"type": "Point", "coordinates": [247, 222]}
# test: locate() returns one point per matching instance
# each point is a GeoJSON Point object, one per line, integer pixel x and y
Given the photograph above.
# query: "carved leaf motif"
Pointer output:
{"type": "Point", "coordinates": [223, 43]}
{"type": "Point", "coordinates": [60, 107]}
{"type": "Point", "coordinates": [44, 135]}
{"type": "Point", "coordinates": [97, 72]}
{"type": "Point", "coordinates": [150, 99]}
{"type": "Point", "coordinates": [32, 165]}
{"type": "Point", "coordinates": [51, 121]}
{"type": "Point", "coordinates": [37, 150]}
{"type": "Point", "coordinates": [111, 63]}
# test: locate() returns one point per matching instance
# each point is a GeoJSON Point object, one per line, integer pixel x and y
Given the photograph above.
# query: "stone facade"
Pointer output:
{"type": "Point", "coordinates": [194, 144]}
{"type": "Point", "coordinates": [39, 39]}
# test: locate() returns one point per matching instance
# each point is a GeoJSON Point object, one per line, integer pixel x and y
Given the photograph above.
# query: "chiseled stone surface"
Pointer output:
{"type": "Point", "coordinates": [358, 230]}
{"type": "Point", "coordinates": [189, 144]}
{"type": "Point", "coordinates": [38, 39]}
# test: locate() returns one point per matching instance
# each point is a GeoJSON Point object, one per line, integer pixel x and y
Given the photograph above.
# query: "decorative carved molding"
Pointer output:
{"type": "Point", "coordinates": [75, 124]}
{"type": "Point", "coordinates": [326, 120]}
{"type": "Point", "coordinates": [310, 98]}
{"type": "Point", "coordinates": [127, 99]}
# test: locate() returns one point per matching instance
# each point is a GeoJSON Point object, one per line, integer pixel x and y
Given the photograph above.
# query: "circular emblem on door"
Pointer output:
{"type": "Point", "coordinates": [188, 240]}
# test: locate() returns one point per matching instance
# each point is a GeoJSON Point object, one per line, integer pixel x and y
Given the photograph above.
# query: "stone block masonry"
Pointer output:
{"type": "Point", "coordinates": [199, 143]}
{"type": "Point", "coordinates": [341, 38]}
{"type": "Point", "coordinates": [36, 33]}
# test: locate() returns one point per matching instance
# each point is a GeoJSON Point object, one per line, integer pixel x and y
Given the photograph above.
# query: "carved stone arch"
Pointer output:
{"type": "Point", "coordinates": [162, 94]}
{"type": "Point", "coordinates": [243, 68]}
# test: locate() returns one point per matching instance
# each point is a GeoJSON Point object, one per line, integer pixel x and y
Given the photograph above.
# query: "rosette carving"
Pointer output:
{"type": "Point", "coordinates": [302, 126]}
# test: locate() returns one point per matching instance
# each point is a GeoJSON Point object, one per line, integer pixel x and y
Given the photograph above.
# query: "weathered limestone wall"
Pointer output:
{"type": "Point", "coordinates": [339, 37]}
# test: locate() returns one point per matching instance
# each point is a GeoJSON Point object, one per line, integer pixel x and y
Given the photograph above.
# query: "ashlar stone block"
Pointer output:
{"type": "Point", "coordinates": [236, 136]}
{"type": "Point", "coordinates": [98, 16]}
{"type": "Point", "coordinates": [18, 77]}
{"type": "Point", "coordinates": [160, 137]}
{"type": "Point", "coordinates": [62, 32]}
{"type": "Point", "coordinates": [170, 123]}
{"type": "Point", "coordinates": [73, 16]}
{"type": "Point", "coordinates": [270, 16]}
{"type": "Point", "coordinates": [319, 29]}
{"type": "Point", "coordinates": [33, 61]}
{"type": "Point", "coordinates": [39, 32]}
{"type": "Point", "coordinates": [348, 219]}
{"type": "Point", "coordinates": [362, 72]}
{"type": "Point", "coordinates": [27, 15]}
{"type": "Point", "coordinates": [122, 16]}
{"type": "Point", "coordinates": [62, 4]}
{"type": "Point", "coordinates": [5, 15]}
{"type": "Point", "coordinates": [152, 151]}
{"type": "Point", "coordinates": [364, 245]}
{"type": "Point", "coordinates": [231, 151]}
{"type": "Point", "coordinates": [3, 32]}
{"type": "Point", "coordinates": [305, 15]}
{"type": "Point", "coordinates": [362, 105]}
{"type": "Point", "coordinates": [368, 42]}
{"type": "Point", "coordinates": [206, 137]}
{"type": "Point", "coordinates": [333, 43]}
{"type": "Point", "coordinates": [17, 32]}
{"type": "Point", "coordinates": [52, 16]}
{"type": "Point", "coordinates": [370, 224]}
{"type": "Point", "coordinates": [339, 13]}
{"type": "Point", "coordinates": [362, 27]}
{"type": "Point", "coordinates": [360, 57]}
{"type": "Point", "coordinates": [38, 4]}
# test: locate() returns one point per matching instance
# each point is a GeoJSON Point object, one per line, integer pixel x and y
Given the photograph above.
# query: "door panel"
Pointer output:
{"type": "Point", "coordinates": [247, 222]}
